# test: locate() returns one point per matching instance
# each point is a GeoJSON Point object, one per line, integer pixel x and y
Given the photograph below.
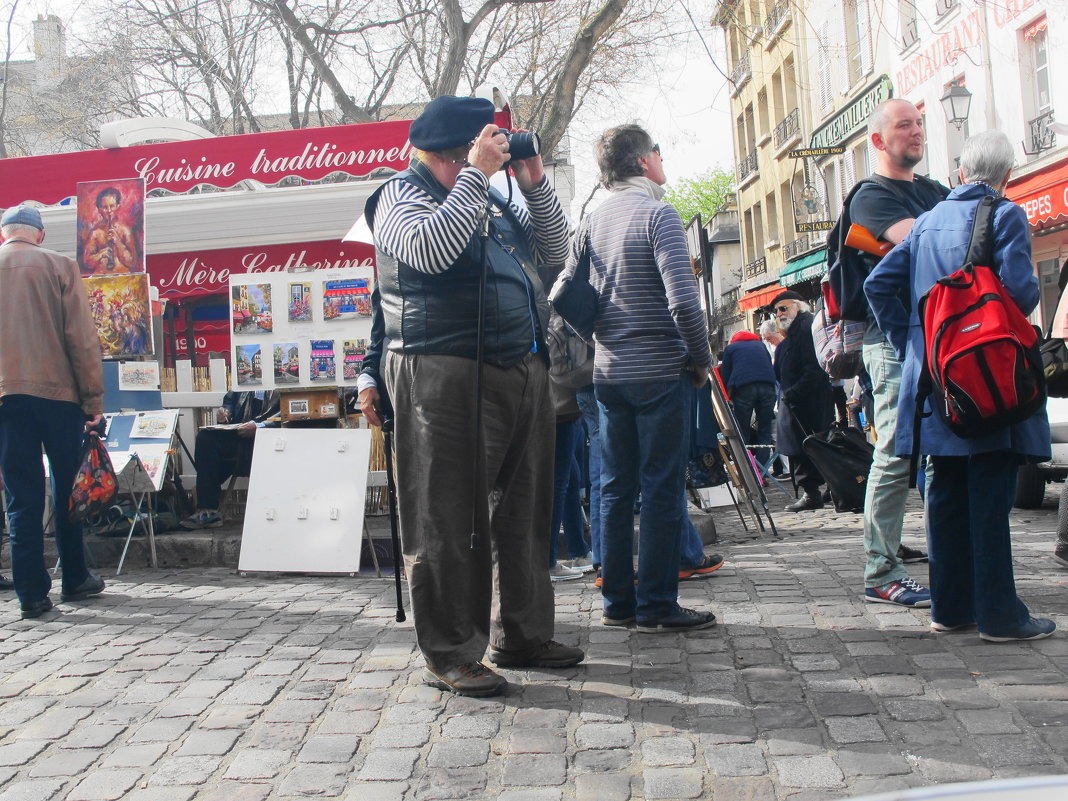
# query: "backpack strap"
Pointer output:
{"type": "Point", "coordinates": [981, 242]}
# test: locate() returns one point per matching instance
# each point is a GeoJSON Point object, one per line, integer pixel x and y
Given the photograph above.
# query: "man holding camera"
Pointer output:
{"type": "Point", "coordinates": [460, 523]}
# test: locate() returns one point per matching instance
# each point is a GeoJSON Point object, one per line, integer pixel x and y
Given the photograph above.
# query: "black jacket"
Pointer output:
{"type": "Point", "coordinates": [806, 389]}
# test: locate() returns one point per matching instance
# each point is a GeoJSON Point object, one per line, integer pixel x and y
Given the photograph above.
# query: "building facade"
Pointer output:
{"type": "Point", "coordinates": [1005, 59]}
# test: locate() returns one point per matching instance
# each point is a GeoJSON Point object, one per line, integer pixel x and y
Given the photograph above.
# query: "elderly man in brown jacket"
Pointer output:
{"type": "Point", "coordinates": [51, 392]}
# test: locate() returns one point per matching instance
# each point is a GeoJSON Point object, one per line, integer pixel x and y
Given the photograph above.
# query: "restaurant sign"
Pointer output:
{"type": "Point", "coordinates": [854, 116]}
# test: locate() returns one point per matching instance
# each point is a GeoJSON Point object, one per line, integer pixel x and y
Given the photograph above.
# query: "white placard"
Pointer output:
{"type": "Point", "coordinates": [306, 491]}
{"type": "Point", "coordinates": [139, 376]}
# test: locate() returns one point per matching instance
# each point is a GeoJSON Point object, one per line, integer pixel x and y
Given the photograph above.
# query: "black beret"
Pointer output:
{"type": "Point", "coordinates": [449, 122]}
{"type": "Point", "coordinates": [789, 294]}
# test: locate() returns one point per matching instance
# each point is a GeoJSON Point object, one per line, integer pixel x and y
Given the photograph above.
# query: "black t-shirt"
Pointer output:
{"type": "Point", "coordinates": [878, 205]}
{"type": "Point", "coordinates": [883, 201]}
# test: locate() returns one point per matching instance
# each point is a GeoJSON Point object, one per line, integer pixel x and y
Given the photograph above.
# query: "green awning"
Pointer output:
{"type": "Point", "coordinates": [812, 265]}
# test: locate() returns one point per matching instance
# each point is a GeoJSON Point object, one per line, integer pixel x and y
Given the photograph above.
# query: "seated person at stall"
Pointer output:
{"type": "Point", "coordinates": [226, 450]}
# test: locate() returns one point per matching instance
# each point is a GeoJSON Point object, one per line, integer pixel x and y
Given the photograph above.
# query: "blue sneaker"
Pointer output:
{"type": "Point", "coordinates": [1036, 628]}
{"type": "Point", "coordinates": [205, 518]}
{"type": "Point", "coordinates": [903, 593]}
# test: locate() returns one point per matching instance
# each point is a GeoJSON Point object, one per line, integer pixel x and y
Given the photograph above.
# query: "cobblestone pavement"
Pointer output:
{"type": "Point", "coordinates": [206, 684]}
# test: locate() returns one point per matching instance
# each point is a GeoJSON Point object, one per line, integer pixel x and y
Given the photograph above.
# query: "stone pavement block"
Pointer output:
{"type": "Point", "coordinates": [736, 760]}
{"type": "Point", "coordinates": [257, 763]}
{"type": "Point", "coordinates": [949, 763]}
{"type": "Point", "coordinates": [793, 742]}
{"type": "Point", "coordinates": [872, 760]}
{"type": "Point", "coordinates": [235, 791]}
{"type": "Point", "coordinates": [913, 709]}
{"type": "Point", "coordinates": [15, 713]}
{"type": "Point", "coordinates": [348, 722]}
{"type": "Point", "coordinates": [329, 748]}
{"type": "Point", "coordinates": [65, 763]}
{"type": "Point", "coordinates": [748, 788]}
{"type": "Point", "coordinates": [104, 785]}
{"type": "Point", "coordinates": [808, 771]}
{"type": "Point", "coordinates": [377, 791]}
{"type": "Point", "coordinates": [726, 730]}
{"type": "Point", "coordinates": [315, 780]}
{"type": "Point", "coordinates": [831, 704]}
{"type": "Point", "coordinates": [451, 783]}
{"type": "Point", "coordinates": [42, 790]}
{"type": "Point", "coordinates": [161, 794]}
{"type": "Point", "coordinates": [161, 730]}
{"type": "Point", "coordinates": [602, 761]}
{"type": "Point", "coordinates": [987, 721]}
{"type": "Point", "coordinates": [458, 726]}
{"type": "Point", "coordinates": [604, 735]}
{"type": "Point", "coordinates": [295, 712]}
{"type": "Point", "coordinates": [205, 688]}
{"type": "Point", "coordinates": [182, 770]}
{"type": "Point", "coordinates": [259, 691]}
{"type": "Point", "coordinates": [783, 716]}
{"type": "Point", "coordinates": [208, 743]}
{"type": "Point", "coordinates": [603, 787]}
{"type": "Point", "coordinates": [135, 756]}
{"type": "Point", "coordinates": [415, 735]}
{"type": "Point", "coordinates": [21, 753]}
{"type": "Point", "coordinates": [276, 736]}
{"type": "Point", "coordinates": [389, 765]}
{"type": "Point", "coordinates": [537, 741]}
{"type": "Point", "coordinates": [1006, 750]}
{"type": "Point", "coordinates": [464, 753]}
{"type": "Point", "coordinates": [673, 783]}
{"type": "Point", "coordinates": [184, 707]}
{"type": "Point", "coordinates": [540, 794]}
{"type": "Point", "coordinates": [534, 770]}
{"type": "Point", "coordinates": [864, 729]}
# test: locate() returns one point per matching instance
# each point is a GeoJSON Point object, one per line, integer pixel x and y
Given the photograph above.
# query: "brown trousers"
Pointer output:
{"type": "Point", "coordinates": [451, 585]}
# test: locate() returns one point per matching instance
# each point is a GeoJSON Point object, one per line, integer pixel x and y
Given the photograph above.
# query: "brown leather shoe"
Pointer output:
{"type": "Point", "coordinates": [471, 678]}
{"type": "Point", "coordinates": [550, 654]}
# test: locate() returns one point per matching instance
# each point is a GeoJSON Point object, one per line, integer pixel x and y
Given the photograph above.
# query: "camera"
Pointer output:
{"type": "Point", "coordinates": [522, 144]}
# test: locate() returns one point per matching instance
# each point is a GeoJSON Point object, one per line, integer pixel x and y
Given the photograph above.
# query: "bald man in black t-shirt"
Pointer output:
{"type": "Point", "coordinates": [887, 206]}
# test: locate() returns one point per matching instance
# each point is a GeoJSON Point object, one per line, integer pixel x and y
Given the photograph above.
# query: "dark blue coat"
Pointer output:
{"type": "Point", "coordinates": [937, 246]}
{"type": "Point", "coordinates": [746, 362]}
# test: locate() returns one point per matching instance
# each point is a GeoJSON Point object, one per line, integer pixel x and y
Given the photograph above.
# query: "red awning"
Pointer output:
{"type": "Point", "coordinates": [1035, 28]}
{"type": "Point", "coordinates": [1043, 196]}
{"type": "Point", "coordinates": [756, 298]}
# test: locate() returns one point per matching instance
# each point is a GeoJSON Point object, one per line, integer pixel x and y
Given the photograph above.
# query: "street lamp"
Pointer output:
{"type": "Point", "coordinates": [957, 102]}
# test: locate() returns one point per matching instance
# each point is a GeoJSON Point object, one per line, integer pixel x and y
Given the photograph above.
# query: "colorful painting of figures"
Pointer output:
{"type": "Point", "coordinates": [286, 363]}
{"type": "Point", "coordinates": [323, 368]}
{"type": "Point", "coordinates": [249, 365]}
{"type": "Point", "coordinates": [121, 310]}
{"type": "Point", "coordinates": [300, 303]}
{"type": "Point", "coordinates": [354, 351]}
{"type": "Point", "coordinates": [250, 308]}
{"type": "Point", "coordinates": [111, 227]}
{"type": "Point", "coordinates": [344, 300]}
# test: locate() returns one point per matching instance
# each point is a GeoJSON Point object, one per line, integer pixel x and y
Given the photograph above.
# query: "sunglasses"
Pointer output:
{"type": "Point", "coordinates": [785, 307]}
{"type": "Point", "coordinates": [656, 149]}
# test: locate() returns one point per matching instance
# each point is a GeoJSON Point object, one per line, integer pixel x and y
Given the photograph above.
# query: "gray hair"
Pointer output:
{"type": "Point", "coordinates": [18, 229]}
{"type": "Point", "coordinates": [769, 326]}
{"type": "Point", "coordinates": [986, 157]}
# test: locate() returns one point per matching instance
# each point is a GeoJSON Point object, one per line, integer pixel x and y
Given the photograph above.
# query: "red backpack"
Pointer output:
{"type": "Point", "coordinates": [981, 360]}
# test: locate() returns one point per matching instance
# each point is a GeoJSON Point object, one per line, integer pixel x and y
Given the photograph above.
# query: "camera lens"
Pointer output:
{"type": "Point", "coordinates": [523, 145]}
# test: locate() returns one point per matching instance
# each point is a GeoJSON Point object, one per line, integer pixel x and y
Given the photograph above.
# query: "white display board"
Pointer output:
{"type": "Point", "coordinates": [302, 329]}
{"type": "Point", "coordinates": [306, 491]}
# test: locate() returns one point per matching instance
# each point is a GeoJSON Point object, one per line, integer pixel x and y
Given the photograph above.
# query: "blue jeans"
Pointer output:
{"type": "Point", "coordinates": [691, 548]}
{"type": "Point", "coordinates": [587, 403]}
{"type": "Point", "coordinates": [759, 398]}
{"type": "Point", "coordinates": [888, 479]}
{"type": "Point", "coordinates": [968, 503]}
{"type": "Point", "coordinates": [643, 447]}
{"type": "Point", "coordinates": [27, 424]}
{"type": "Point", "coordinates": [567, 504]}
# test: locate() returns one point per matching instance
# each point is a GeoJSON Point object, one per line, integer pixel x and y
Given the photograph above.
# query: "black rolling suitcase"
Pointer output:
{"type": "Point", "coordinates": [843, 456]}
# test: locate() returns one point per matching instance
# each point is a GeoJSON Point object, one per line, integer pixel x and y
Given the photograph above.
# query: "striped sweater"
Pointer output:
{"type": "Point", "coordinates": [650, 319]}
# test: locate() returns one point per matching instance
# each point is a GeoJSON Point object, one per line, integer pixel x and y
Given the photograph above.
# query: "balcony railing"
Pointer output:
{"type": "Point", "coordinates": [741, 73]}
{"type": "Point", "coordinates": [910, 33]}
{"type": "Point", "coordinates": [755, 268]}
{"type": "Point", "coordinates": [747, 166]}
{"type": "Point", "coordinates": [778, 16]}
{"type": "Point", "coordinates": [803, 244]}
{"type": "Point", "coordinates": [1042, 135]}
{"type": "Point", "coordinates": [788, 128]}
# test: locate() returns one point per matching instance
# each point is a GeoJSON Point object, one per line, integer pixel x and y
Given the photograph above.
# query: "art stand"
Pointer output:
{"type": "Point", "coordinates": [135, 482]}
{"type": "Point", "coordinates": [738, 461]}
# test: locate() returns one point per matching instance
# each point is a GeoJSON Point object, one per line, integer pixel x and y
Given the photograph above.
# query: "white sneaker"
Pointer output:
{"type": "Point", "coordinates": [559, 572]}
{"type": "Point", "coordinates": [583, 563]}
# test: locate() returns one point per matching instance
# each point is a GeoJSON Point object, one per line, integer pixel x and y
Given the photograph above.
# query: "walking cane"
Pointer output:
{"type": "Point", "coordinates": [478, 469]}
{"type": "Point", "coordinates": [391, 495]}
